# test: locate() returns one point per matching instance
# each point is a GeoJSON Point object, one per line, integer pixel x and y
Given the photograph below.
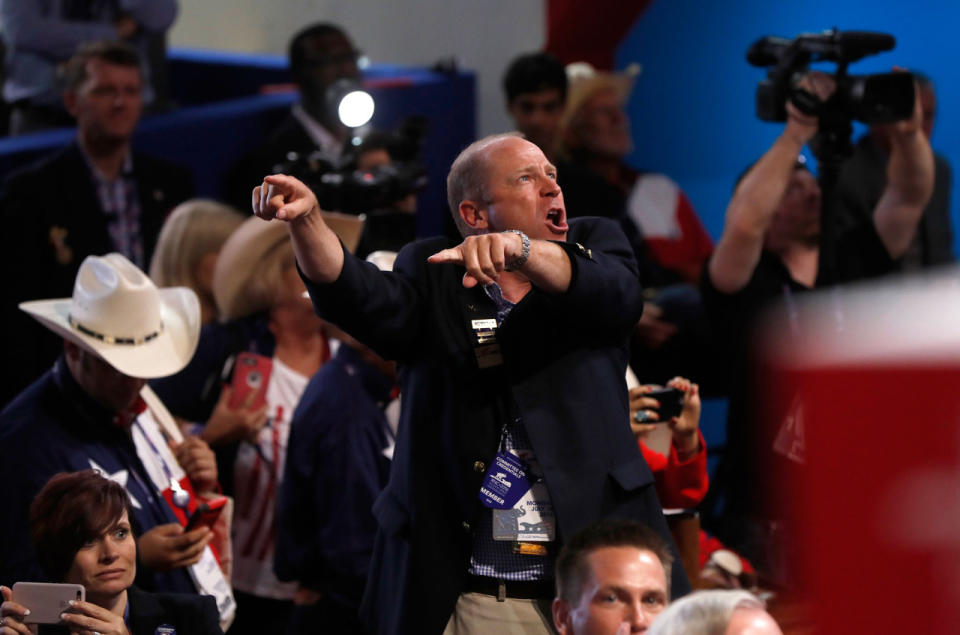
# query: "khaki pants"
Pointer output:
{"type": "Point", "coordinates": [479, 614]}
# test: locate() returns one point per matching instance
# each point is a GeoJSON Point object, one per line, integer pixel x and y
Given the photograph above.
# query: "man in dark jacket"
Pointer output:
{"type": "Point", "coordinates": [512, 347]}
{"type": "Point", "coordinates": [89, 412]}
{"type": "Point", "coordinates": [92, 197]}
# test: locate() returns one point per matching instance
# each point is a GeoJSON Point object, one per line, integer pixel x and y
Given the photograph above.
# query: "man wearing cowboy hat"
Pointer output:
{"type": "Point", "coordinates": [595, 135]}
{"type": "Point", "coordinates": [87, 412]}
{"type": "Point", "coordinates": [512, 352]}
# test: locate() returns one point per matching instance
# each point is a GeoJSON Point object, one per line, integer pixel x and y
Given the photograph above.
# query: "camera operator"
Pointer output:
{"type": "Point", "coordinates": [770, 250]}
{"type": "Point", "coordinates": [863, 176]}
{"type": "Point", "coordinates": [320, 55]}
{"type": "Point", "coordinates": [394, 223]}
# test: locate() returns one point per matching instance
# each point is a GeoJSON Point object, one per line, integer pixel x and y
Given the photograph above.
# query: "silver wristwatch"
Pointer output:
{"type": "Point", "coordinates": [519, 261]}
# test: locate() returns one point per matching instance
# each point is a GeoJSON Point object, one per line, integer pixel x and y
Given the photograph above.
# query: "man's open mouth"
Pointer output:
{"type": "Point", "coordinates": [556, 220]}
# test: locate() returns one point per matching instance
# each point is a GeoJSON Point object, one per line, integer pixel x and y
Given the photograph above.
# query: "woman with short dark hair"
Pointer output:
{"type": "Point", "coordinates": [81, 530]}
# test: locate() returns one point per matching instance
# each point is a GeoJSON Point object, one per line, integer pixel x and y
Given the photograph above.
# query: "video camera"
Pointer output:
{"type": "Point", "coordinates": [871, 99]}
{"type": "Point", "coordinates": [339, 186]}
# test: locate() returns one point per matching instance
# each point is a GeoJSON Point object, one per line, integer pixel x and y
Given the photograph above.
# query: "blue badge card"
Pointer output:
{"type": "Point", "coordinates": [505, 483]}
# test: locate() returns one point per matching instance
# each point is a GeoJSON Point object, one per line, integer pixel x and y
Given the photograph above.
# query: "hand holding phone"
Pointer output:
{"type": "Point", "coordinates": [206, 514]}
{"type": "Point", "coordinates": [251, 375]}
{"type": "Point", "coordinates": [671, 403]}
{"type": "Point", "coordinates": [686, 435]}
{"type": "Point", "coordinates": [45, 601]}
{"type": "Point", "coordinates": [241, 410]}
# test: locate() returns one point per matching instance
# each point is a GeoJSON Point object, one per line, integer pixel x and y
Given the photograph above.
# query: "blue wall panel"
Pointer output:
{"type": "Point", "coordinates": [692, 109]}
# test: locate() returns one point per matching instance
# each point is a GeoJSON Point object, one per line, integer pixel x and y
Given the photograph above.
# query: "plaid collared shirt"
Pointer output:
{"type": "Point", "coordinates": [121, 207]}
{"type": "Point", "coordinates": [495, 558]}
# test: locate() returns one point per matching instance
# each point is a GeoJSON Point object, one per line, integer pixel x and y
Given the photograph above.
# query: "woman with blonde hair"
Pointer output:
{"type": "Point", "coordinates": [265, 320]}
{"type": "Point", "coordinates": [188, 247]}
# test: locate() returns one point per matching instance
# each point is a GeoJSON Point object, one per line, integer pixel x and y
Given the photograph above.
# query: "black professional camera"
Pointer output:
{"type": "Point", "coordinates": [871, 99]}
{"type": "Point", "coordinates": [340, 186]}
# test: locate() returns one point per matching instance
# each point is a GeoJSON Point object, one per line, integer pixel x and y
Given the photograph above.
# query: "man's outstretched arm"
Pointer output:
{"type": "Point", "coordinates": [485, 257]}
{"type": "Point", "coordinates": [317, 248]}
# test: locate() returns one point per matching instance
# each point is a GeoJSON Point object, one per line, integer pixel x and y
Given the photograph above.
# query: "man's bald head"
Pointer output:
{"type": "Point", "coordinates": [467, 180]}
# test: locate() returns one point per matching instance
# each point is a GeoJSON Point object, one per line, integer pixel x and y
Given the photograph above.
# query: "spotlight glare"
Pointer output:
{"type": "Point", "coordinates": [356, 109]}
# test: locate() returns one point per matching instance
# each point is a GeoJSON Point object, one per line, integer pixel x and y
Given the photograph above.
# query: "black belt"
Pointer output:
{"type": "Point", "coordinates": [502, 589]}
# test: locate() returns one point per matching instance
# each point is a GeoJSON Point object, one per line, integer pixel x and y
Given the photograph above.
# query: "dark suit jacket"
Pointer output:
{"type": "Point", "coordinates": [188, 614]}
{"type": "Point", "coordinates": [564, 358]}
{"type": "Point", "coordinates": [52, 220]}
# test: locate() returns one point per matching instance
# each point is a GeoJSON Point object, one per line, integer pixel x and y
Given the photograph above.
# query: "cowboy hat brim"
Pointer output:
{"type": "Point", "coordinates": [163, 355]}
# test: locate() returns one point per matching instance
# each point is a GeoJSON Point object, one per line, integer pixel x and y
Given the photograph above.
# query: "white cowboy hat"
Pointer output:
{"type": "Point", "coordinates": [117, 313]}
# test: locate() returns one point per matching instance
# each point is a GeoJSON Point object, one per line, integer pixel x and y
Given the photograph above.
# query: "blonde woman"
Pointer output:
{"type": "Point", "coordinates": [188, 247]}
{"type": "Point", "coordinates": [263, 311]}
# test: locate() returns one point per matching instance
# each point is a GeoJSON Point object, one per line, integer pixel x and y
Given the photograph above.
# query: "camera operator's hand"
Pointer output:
{"type": "Point", "coordinates": [802, 127]}
{"type": "Point", "coordinates": [905, 128]}
{"type": "Point", "coordinates": [910, 175]}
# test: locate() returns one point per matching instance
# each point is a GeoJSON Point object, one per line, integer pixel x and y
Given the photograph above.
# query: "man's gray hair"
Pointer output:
{"type": "Point", "coordinates": [467, 180]}
{"type": "Point", "coordinates": [703, 613]}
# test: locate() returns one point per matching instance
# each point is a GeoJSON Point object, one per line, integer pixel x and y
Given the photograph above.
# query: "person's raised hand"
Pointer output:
{"type": "Point", "coordinates": [227, 424]}
{"type": "Point", "coordinates": [283, 197]}
{"type": "Point", "coordinates": [801, 126]}
{"type": "Point", "coordinates": [168, 547]}
{"type": "Point", "coordinates": [484, 256]}
{"type": "Point", "coordinates": [913, 124]}
{"type": "Point", "coordinates": [685, 426]}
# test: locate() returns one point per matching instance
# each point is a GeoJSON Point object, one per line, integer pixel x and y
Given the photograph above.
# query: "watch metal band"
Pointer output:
{"type": "Point", "coordinates": [520, 260]}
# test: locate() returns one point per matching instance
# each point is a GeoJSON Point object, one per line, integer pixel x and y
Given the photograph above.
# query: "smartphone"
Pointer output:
{"type": "Point", "coordinates": [46, 601]}
{"type": "Point", "coordinates": [671, 403]}
{"type": "Point", "coordinates": [206, 514]}
{"type": "Point", "coordinates": [251, 374]}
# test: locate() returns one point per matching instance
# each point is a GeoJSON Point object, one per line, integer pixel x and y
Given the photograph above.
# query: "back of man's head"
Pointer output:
{"type": "Point", "coordinates": [572, 568]}
{"type": "Point", "coordinates": [75, 71]}
{"type": "Point", "coordinates": [533, 73]}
